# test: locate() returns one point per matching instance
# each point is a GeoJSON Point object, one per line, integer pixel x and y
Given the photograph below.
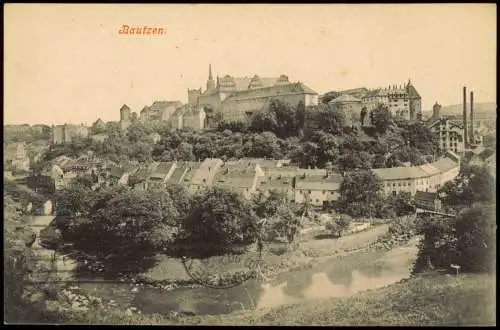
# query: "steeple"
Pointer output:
{"type": "Point", "coordinates": [210, 81]}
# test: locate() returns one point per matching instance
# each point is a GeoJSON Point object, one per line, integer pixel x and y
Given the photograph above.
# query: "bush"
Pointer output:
{"type": "Point", "coordinates": [339, 224]}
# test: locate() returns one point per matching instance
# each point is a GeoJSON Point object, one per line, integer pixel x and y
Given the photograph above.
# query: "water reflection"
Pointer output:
{"type": "Point", "coordinates": [335, 278]}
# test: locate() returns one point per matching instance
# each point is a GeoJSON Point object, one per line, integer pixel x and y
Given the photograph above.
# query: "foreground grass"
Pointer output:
{"type": "Point", "coordinates": [435, 300]}
{"type": "Point", "coordinates": [430, 300]}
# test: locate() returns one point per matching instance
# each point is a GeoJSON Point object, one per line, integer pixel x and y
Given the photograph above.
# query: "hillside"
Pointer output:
{"type": "Point", "coordinates": [456, 109]}
{"type": "Point", "coordinates": [426, 300]}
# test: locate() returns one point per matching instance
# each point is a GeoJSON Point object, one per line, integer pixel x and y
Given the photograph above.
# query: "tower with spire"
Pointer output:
{"type": "Point", "coordinates": [210, 81]}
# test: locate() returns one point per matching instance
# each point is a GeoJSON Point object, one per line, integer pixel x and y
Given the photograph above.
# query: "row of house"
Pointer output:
{"type": "Point", "coordinates": [248, 176]}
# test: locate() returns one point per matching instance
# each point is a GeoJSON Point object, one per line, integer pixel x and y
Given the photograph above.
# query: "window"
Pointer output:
{"type": "Point", "coordinates": [394, 193]}
{"type": "Point", "coordinates": [308, 191]}
{"type": "Point", "coordinates": [317, 200]}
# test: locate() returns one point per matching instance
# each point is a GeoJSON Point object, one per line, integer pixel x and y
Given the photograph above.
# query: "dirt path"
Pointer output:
{"type": "Point", "coordinates": [349, 242]}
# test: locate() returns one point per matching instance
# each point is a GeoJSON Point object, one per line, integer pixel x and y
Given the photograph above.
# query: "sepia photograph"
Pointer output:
{"type": "Point", "coordinates": [250, 164]}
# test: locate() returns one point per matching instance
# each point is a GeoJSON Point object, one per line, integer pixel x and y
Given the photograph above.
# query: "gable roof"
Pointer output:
{"type": "Point", "coordinates": [400, 173]}
{"type": "Point", "coordinates": [161, 171]}
{"type": "Point", "coordinates": [235, 176]}
{"type": "Point", "coordinates": [345, 98]}
{"type": "Point", "coordinates": [425, 196]}
{"type": "Point", "coordinates": [319, 182]}
{"type": "Point", "coordinates": [269, 92]}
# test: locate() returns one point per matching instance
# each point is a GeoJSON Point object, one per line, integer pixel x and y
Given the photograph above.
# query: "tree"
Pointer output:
{"type": "Point", "coordinates": [381, 118]}
{"type": "Point", "coordinates": [474, 184]}
{"type": "Point", "coordinates": [339, 224]}
{"type": "Point", "coordinates": [218, 220]}
{"type": "Point", "coordinates": [332, 119]}
{"type": "Point", "coordinates": [124, 228]}
{"type": "Point", "coordinates": [476, 239]}
{"type": "Point", "coordinates": [300, 115]}
{"type": "Point", "coordinates": [359, 191]}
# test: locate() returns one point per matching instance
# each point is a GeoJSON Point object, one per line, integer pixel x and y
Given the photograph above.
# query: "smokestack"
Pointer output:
{"type": "Point", "coordinates": [471, 117]}
{"type": "Point", "coordinates": [466, 141]}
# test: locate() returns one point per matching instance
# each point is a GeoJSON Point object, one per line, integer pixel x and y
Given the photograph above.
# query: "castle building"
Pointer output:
{"type": "Point", "coordinates": [125, 117]}
{"type": "Point", "coordinates": [350, 105]}
{"type": "Point", "coordinates": [16, 156]}
{"type": "Point", "coordinates": [67, 132]}
{"type": "Point", "coordinates": [189, 116]}
{"type": "Point", "coordinates": [159, 110]}
{"type": "Point", "coordinates": [234, 99]}
{"type": "Point", "coordinates": [403, 101]}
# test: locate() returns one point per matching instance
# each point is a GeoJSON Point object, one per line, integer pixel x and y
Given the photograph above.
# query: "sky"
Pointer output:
{"type": "Point", "coordinates": [68, 63]}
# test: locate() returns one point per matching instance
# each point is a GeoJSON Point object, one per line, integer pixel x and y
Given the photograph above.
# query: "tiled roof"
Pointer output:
{"type": "Point", "coordinates": [162, 170]}
{"type": "Point", "coordinates": [143, 173]}
{"type": "Point", "coordinates": [430, 169]}
{"type": "Point", "coordinates": [400, 173]}
{"type": "Point", "coordinates": [242, 83]}
{"type": "Point", "coordinates": [361, 90]}
{"type": "Point", "coordinates": [445, 164]}
{"type": "Point", "coordinates": [425, 196]}
{"type": "Point", "coordinates": [345, 98]}
{"type": "Point", "coordinates": [318, 182]}
{"type": "Point", "coordinates": [206, 170]}
{"type": "Point", "coordinates": [422, 171]}
{"type": "Point", "coordinates": [178, 174]}
{"type": "Point", "coordinates": [276, 182]}
{"type": "Point", "coordinates": [294, 88]}
{"type": "Point", "coordinates": [236, 176]}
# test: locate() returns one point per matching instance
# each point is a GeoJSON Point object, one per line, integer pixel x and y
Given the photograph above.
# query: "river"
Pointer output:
{"type": "Point", "coordinates": [337, 277]}
{"type": "Point", "coordinates": [340, 277]}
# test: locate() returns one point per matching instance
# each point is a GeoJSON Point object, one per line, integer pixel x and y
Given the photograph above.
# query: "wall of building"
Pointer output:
{"type": "Point", "coordinates": [236, 110]}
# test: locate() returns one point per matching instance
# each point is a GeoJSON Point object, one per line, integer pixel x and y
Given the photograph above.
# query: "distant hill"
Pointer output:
{"type": "Point", "coordinates": [456, 109]}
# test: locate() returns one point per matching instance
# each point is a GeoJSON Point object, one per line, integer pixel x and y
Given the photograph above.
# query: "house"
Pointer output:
{"type": "Point", "coordinates": [182, 173]}
{"type": "Point", "coordinates": [161, 174]}
{"type": "Point", "coordinates": [155, 137]}
{"type": "Point", "coordinates": [427, 201]}
{"type": "Point", "coordinates": [317, 189]}
{"type": "Point", "coordinates": [427, 177]}
{"type": "Point", "coordinates": [204, 174]}
{"type": "Point", "coordinates": [119, 175]}
{"type": "Point", "coordinates": [140, 178]}
{"type": "Point", "coordinates": [240, 177]}
{"type": "Point", "coordinates": [274, 179]}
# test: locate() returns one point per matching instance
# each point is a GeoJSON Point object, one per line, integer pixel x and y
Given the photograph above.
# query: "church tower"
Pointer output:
{"type": "Point", "coordinates": [210, 81]}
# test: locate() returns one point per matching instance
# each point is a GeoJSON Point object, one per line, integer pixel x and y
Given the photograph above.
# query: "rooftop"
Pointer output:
{"type": "Point", "coordinates": [293, 88]}
{"type": "Point", "coordinates": [319, 182]}
{"type": "Point", "coordinates": [425, 196]}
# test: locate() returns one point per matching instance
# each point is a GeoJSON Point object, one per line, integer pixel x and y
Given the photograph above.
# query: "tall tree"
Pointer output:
{"type": "Point", "coordinates": [381, 118]}
{"type": "Point", "coordinates": [359, 191]}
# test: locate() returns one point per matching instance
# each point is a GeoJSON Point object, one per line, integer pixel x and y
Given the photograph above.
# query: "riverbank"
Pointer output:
{"type": "Point", "coordinates": [432, 300]}
{"type": "Point", "coordinates": [424, 300]}
{"type": "Point", "coordinates": [169, 273]}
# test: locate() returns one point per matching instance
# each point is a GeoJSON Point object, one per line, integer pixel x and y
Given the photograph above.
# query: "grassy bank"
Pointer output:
{"type": "Point", "coordinates": [425, 300]}
{"type": "Point", "coordinates": [431, 300]}
{"type": "Point", "coordinates": [276, 258]}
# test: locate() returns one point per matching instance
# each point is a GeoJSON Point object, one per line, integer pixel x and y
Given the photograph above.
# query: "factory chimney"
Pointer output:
{"type": "Point", "coordinates": [471, 117]}
{"type": "Point", "coordinates": [466, 140]}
